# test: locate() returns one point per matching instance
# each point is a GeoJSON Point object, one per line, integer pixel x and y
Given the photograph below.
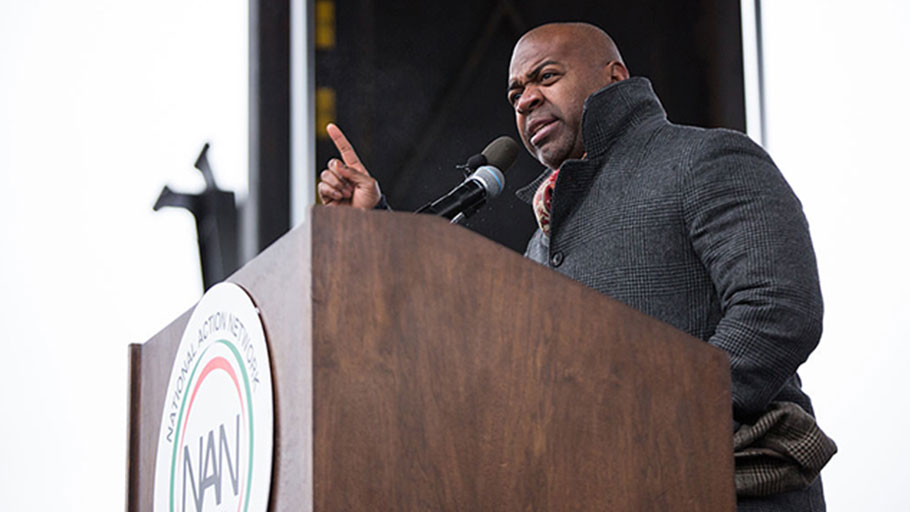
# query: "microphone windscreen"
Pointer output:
{"type": "Point", "coordinates": [476, 161]}
{"type": "Point", "coordinates": [502, 152]}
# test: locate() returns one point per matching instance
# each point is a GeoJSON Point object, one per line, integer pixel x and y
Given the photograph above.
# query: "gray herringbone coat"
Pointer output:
{"type": "Point", "coordinates": [695, 227]}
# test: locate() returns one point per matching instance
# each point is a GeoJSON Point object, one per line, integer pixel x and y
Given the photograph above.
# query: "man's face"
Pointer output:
{"type": "Point", "coordinates": [549, 80]}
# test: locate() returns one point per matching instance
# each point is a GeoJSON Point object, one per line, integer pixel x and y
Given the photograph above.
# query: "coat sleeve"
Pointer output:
{"type": "Point", "coordinates": [750, 232]}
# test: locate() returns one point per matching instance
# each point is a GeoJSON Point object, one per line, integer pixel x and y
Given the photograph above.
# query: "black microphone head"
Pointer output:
{"type": "Point", "coordinates": [502, 152]}
{"type": "Point", "coordinates": [476, 161]}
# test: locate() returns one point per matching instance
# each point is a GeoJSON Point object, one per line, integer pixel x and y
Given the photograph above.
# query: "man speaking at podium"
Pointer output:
{"type": "Point", "coordinates": [692, 226]}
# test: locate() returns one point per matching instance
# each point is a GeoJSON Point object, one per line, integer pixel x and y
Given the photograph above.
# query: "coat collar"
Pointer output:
{"type": "Point", "coordinates": [609, 114]}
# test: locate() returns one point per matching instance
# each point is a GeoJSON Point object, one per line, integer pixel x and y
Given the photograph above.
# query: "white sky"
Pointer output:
{"type": "Point", "coordinates": [102, 102]}
{"type": "Point", "coordinates": [837, 111]}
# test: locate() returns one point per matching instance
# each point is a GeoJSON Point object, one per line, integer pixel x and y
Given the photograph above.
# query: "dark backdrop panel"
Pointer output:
{"type": "Point", "coordinates": [420, 86]}
{"type": "Point", "coordinates": [267, 213]}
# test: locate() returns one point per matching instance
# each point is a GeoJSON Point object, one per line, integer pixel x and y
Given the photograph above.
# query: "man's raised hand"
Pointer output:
{"type": "Point", "coordinates": [346, 181]}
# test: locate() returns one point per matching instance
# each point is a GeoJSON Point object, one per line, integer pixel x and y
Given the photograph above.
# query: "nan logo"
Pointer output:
{"type": "Point", "coordinates": [215, 441]}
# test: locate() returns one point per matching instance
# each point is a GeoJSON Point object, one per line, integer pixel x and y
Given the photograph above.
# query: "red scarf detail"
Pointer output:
{"type": "Point", "coordinates": [542, 201]}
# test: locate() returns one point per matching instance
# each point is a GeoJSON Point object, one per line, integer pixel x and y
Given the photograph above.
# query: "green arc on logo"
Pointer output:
{"type": "Point", "coordinates": [249, 399]}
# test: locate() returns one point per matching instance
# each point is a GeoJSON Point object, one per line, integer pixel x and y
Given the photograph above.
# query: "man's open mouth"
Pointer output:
{"type": "Point", "coordinates": [539, 129]}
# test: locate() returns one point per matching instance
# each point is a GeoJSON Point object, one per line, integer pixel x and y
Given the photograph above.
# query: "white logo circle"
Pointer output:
{"type": "Point", "coordinates": [215, 441]}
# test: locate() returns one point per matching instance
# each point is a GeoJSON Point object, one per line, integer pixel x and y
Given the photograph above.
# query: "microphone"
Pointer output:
{"type": "Point", "coordinates": [486, 182]}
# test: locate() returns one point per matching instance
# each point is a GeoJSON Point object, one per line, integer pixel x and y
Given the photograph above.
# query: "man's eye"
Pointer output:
{"type": "Point", "coordinates": [514, 97]}
{"type": "Point", "coordinates": [547, 76]}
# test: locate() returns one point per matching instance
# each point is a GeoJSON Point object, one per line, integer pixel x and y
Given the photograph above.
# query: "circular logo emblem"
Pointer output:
{"type": "Point", "coordinates": [215, 442]}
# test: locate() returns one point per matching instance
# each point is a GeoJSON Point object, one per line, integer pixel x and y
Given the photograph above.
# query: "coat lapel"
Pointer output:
{"type": "Point", "coordinates": [573, 183]}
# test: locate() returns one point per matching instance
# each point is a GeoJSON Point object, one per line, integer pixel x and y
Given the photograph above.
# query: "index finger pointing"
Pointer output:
{"type": "Point", "coordinates": [348, 155]}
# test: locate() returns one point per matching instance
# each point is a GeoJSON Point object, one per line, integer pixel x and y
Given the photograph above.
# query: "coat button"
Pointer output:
{"type": "Point", "coordinates": [556, 259]}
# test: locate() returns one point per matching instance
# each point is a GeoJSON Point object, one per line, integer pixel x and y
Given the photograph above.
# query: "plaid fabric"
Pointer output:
{"type": "Point", "coordinates": [783, 451]}
{"type": "Point", "coordinates": [695, 227]}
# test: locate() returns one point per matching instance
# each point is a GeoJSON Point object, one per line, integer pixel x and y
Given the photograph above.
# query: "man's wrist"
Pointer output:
{"type": "Point", "coordinates": [382, 204]}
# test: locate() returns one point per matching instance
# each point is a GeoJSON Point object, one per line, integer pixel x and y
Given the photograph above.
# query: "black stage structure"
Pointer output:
{"type": "Point", "coordinates": [420, 86]}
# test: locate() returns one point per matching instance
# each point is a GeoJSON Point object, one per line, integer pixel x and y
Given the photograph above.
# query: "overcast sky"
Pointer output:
{"type": "Point", "coordinates": [102, 102]}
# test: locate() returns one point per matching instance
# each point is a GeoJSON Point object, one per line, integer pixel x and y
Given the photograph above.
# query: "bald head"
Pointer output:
{"type": "Point", "coordinates": [554, 68]}
{"type": "Point", "coordinates": [590, 42]}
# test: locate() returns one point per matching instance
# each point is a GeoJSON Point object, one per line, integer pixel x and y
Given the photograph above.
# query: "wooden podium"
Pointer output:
{"type": "Point", "coordinates": [418, 366]}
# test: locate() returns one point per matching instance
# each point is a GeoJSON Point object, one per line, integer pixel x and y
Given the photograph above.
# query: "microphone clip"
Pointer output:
{"type": "Point", "coordinates": [475, 162]}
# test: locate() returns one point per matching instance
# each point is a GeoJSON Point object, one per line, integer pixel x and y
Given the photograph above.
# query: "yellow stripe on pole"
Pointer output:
{"type": "Point", "coordinates": [325, 110]}
{"type": "Point", "coordinates": [325, 24]}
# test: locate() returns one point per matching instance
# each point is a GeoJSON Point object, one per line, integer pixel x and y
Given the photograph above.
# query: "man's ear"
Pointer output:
{"type": "Point", "coordinates": [615, 71]}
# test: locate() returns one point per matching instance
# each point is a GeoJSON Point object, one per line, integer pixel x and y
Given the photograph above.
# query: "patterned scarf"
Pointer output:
{"type": "Point", "coordinates": [542, 200]}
